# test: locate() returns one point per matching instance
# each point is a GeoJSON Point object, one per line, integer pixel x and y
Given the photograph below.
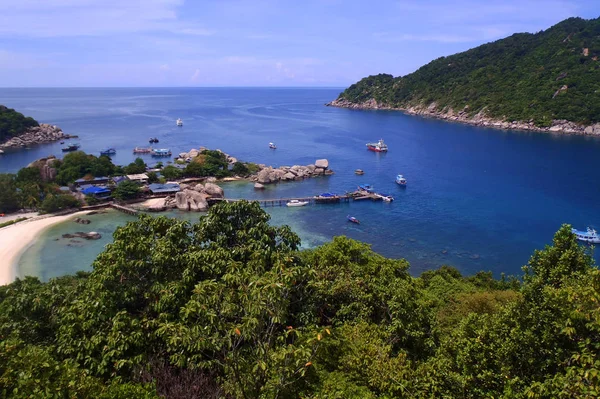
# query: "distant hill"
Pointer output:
{"type": "Point", "coordinates": [533, 78]}
{"type": "Point", "coordinates": [13, 123]}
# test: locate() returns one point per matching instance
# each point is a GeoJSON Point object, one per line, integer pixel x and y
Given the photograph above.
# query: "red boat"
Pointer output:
{"type": "Point", "coordinates": [380, 146]}
{"type": "Point", "coordinates": [353, 219]}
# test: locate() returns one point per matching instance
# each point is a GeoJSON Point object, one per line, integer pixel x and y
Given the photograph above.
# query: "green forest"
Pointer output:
{"type": "Point", "coordinates": [13, 123]}
{"type": "Point", "coordinates": [552, 74]}
{"type": "Point", "coordinates": [231, 307]}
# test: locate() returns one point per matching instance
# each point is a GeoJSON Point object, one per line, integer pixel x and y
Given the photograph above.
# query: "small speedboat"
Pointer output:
{"type": "Point", "coordinates": [179, 122]}
{"type": "Point", "coordinates": [590, 236]}
{"type": "Point", "coordinates": [353, 219]}
{"type": "Point", "coordinates": [359, 172]}
{"type": "Point", "coordinates": [71, 147]}
{"type": "Point", "coordinates": [272, 146]}
{"type": "Point", "coordinates": [108, 151]}
{"type": "Point", "coordinates": [386, 197]}
{"type": "Point", "coordinates": [153, 140]}
{"type": "Point", "coordinates": [401, 180]}
{"type": "Point", "coordinates": [296, 203]}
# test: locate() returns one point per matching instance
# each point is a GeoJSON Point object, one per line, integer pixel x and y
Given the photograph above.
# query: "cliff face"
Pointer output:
{"type": "Point", "coordinates": [548, 81]}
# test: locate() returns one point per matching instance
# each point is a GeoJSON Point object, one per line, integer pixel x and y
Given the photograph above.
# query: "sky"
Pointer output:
{"type": "Point", "coordinates": [331, 43]}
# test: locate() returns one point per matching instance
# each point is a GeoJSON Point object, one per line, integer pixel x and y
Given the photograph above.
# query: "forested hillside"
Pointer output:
{"type": "Point", "coordinates": [13, 123]}
{"type": "Point", "coordinates": [231, 308]}
{"type": "Point", "coordinates": [551, 75]}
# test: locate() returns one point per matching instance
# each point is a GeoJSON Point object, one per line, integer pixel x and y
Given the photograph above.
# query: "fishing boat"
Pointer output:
{"type": "Point", "coordinates": [108, 151]}
{"type": "Point", "coordinates": [353, 219]}
{"type": "Point", "coordinates": [153, 140]}
{"type": "Point", "coordinates": [142, 150]}
{"type": "Point", "coordinates": [272, 146]}
{"type": "Point", "coordinates": [359, 172]}
{"type": "Point", "coordinates": [179, 122]}
{"type": "Point", "coordinates": [296, 203]}
{"type": "Point", "coordinates": [589, 236]}
{"type": "Point", "coordinates": [385, 197]}
{"type": "Point", "coordinates": [401, 180]}
{"type": "Point", "coordinates": [161, 152]}
{"type": "Point", "coordinates": [380, 146]}
{"type": "Point", "coordinates": [71, 147]}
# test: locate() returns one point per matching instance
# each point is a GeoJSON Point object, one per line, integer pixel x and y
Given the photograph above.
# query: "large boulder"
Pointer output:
{"type": "Point", "coordinates": [193, 153]}
{"type": "Point", "coordinates": [322, 163]}
{"type": "Point", "coordinates": [311, 168]}
{"type": "Point", "coordinates": [319, 171]}
{"type": "Point", "coordinates": [258, 186]}
{"type": "Point", "coordinates": [189, 200]}
{"type": "Point", "coordinates": [213, 190]}
{"type": "Point", "coordinates": [289, 176]}
{"type": "Point", "coordinates": [276, 175]}
{"type": "Point", "coordinates": [263, 176]}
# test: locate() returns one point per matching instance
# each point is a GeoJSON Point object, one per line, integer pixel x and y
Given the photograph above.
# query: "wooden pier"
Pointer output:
{"type": "Point", "coordinates": [283, 201]}
{"type": "Point", "coordinates": [125, 209]}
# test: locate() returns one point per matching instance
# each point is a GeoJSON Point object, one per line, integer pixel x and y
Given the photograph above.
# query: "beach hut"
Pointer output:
{"type": "Point", "coordinates": [141, 178]}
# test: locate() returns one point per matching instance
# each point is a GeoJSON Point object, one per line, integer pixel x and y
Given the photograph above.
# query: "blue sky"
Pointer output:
{"type": "Point", "coordinates": [63, 43]}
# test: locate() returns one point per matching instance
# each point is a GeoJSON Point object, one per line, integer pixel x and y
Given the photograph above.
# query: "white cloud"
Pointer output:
{"type": "Point", "coordinates": [56, 18]}
{"type": "Point", "coordinates": [196, 76]}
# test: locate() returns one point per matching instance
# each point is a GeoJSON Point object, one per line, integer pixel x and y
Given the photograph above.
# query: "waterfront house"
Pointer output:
{"type": "Point", "coordinates": [168, 188]}
{"type": "Point", "coordinates": [96, 181]}
{"type": "Point", "coordinates": [141, 178]}
{"type": "Point", "coordinates": [118, 179]}
{"type": "Point", "coordinates": [97, 192]}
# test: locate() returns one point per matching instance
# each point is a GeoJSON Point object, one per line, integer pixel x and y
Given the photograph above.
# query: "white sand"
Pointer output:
{"type": "Point", "coordinates": [17, 238]}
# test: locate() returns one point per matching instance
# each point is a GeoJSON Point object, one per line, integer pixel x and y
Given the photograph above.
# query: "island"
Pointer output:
{"type": "Point", "coordinates": [17, 130]}
{"type": "Point", "coordinates": [548, 81]}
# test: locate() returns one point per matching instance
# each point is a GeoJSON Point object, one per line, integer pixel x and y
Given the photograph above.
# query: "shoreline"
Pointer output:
{"type": "Point", "coordinates": [16, 239]}
{"type": "Point", "coordinates": [449, 115]}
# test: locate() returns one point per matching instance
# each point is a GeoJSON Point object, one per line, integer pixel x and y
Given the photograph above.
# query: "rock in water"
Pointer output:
{"type": "Point", "coordinates": [322, 163]}
{"type": "Point", "coordinates": [259, 186]}
{"type": "Point", "coordinates": [213, 190]}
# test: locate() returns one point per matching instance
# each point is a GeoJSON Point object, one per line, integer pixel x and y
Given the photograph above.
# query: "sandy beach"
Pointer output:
{"type": "Point", "coordinates": [15, 239]}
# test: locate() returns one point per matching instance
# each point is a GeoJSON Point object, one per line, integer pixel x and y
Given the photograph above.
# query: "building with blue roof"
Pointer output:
{"type": "Point", "coordinates": [168, 188]}
{"type": "Point", "coordinates": [95, 180]}
{"type": "Point", "coordinates": [97, 192]}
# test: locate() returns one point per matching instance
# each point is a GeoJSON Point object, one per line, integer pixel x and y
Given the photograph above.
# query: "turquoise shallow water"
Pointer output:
{"type": "Point", "coordinates": [476, 198]}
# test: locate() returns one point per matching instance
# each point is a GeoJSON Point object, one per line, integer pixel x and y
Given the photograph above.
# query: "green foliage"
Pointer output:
{"type": "Point", "coordinates": [17, 220]}
{"type": "Point", "coordinates": [240, 169]}
{"type": "Point", "coordinates": [136, 167]}
{"type": "Point", "coordinates": [9, 200]}
{"type": "Point", "coordinates": [13, 123]}
{"type": "Point", "coordinates": [170, 172]}
{"type": "Point", "coordinates": [152, 177]}
{"type": "Point", "coordinates": [208, 163]}
{"type": "Point", "coordinates": [230, 307]}
{"type": "Point", "coordinates": [78, 164]}
{"type": "Point", "coordinates": [59, 202]}
{"type": "Point", "coordinates": [125, 190]}
{"type": "Point", "coordinates": [515, 78]}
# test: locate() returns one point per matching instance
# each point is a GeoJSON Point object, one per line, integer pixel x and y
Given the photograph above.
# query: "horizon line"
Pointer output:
{"type": "Point", "coordinates": [172, 87]}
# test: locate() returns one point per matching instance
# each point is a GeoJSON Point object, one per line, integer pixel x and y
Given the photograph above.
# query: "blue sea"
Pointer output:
{"type": "Point", "coordinates": [477, 199]}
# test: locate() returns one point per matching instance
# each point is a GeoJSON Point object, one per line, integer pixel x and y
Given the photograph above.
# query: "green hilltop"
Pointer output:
{"type": "Point", "coordinates": [13, 123]}
{"type": "Point", "coordinates": [550, 75]}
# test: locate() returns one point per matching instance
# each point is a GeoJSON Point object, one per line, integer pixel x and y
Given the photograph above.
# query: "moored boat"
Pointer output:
{"type": "Point", "coordinates": [142, 150]}
{"type": "Point", "coordinates": [366, 187]}
{"type": "Point", "coordinates": [296, 203]}
{"type": "Point", "coordinates": [71, 147]}
{"type": "Point", "coordinates": [179, 122]}
{"type": "Point", "coordinates": [589, 236]}
{"type": "Point", "coordinates": [385, 197]}
{"type": "Point", "coordinates": [161, 152]}
{"type": "Point", "coordinates": [108, 151]}
{"type": "Point", "coordinates": [153, 140]}
{"type": "Point", "coordinates": [327, 198]}
{"type": "Point", "coordinates": [353, 219]}
{"type": "Point", "coordinates": [401, 180]}
{"type": "Point", "coordinates": [359, 172]}
{"type": "Point", "coordinates": [380, 146]}
{"type": "Point", "coordinates": [272, 146]}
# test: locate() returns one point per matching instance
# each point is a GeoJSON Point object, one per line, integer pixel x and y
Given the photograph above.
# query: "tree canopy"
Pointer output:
{"type": "Point", "coordinates": [552, 74]}
{"type": "Point", "coordinates": [13, 123]}
{"type": "Point", "coordinates": [231, 307]}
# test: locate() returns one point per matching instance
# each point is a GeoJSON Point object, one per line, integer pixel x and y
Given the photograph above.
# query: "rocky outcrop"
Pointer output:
{"type": "Point", "coordinates": [92, 235]}
{"type": "Point", "coordinates": [43, 133]}
{"type": "Point", "coordinates": [268, 174]}
{"type": "Point", "coordinates": [479, 119]}
{"type": "Point", "coordinates": [82, 221]}
{"type": "Point", "coordinates": [213, 190]}
{"type": "Point", "coordinates": [259, 186]}
{"type": "Point", "coordinates": [191, 200]}
{"type": "Point", "coordinates": [193, 153]}
{"type": "Point", "coordinates": [46, 167]}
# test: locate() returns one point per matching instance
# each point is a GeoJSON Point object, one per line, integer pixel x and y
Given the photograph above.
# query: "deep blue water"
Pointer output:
{"type": "Point", "coordinates": [478, 199]}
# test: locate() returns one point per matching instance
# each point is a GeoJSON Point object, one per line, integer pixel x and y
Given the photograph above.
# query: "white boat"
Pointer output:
{"type": "Point", "coordinates": [401, 180]}
{"type": "Point", "coordinates": [590, 235]}
{"type": "Point", "coordinates": [272, 146]}
{"type": "Point", "coordinates": [296, 203]}
{"type": "Point", "coordinates": [179, 122]}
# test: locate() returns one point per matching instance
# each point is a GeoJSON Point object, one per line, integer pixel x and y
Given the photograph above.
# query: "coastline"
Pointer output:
{"type": "Point", "coordinates": [479, 119]}
{"type": "Point", "coordinates": [17, 238]}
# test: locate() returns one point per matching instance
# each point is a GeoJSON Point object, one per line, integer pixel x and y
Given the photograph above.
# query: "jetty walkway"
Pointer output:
{"type": "Point", "coordinates": [311, 200]}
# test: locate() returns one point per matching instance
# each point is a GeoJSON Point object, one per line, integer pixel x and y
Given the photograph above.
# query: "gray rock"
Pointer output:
{"type": "Point", "coordinates": [189, 200]}
{"type": "Point", "coordinates": [213, 190]}
{"type": "Point", "coordinates": [263, 176]}
{"type": "Point", "coordinates": [258, 186]}
{"type": "Point", "coordinates": [319, 171]}
{"type": "Point", "coordinates": [322, 163]}
{"type": "Point", "coordinates": [289, 176]}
